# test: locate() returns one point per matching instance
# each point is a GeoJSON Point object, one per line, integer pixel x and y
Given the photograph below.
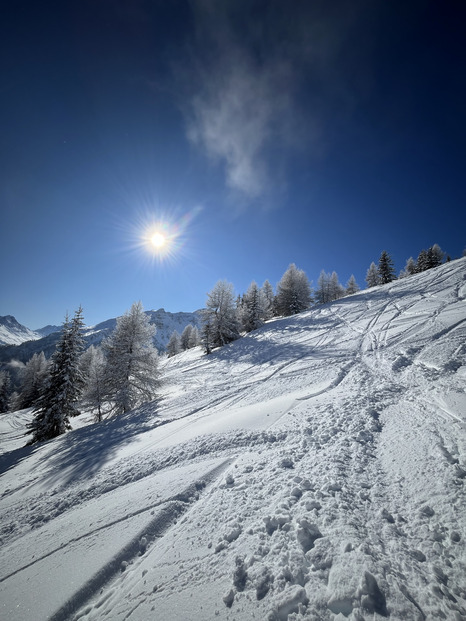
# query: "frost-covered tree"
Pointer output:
{"type": "Point", "coordinates": [206, 334]}
{"type": "Point", "coordinates": [293, 292]}
{"type": "Point", "coordinates": [189, 337]}
{"type": "Point", "coordinates": [220, 317]}
{"type": "Point", "coordinates": [322, 292]}
{"type": "Point", "coordinates": [328, 288]}
{"type": "Point", "coordinates": [131, 376]}
{"type": "Point", "coordinates": [62, 392]}
{"type": "Point", "coordinates": [193, 338]}
{"type": "Point", "coordinates": [185, 336]}
{"type": "Point", "coordinates": [174, 344]}
{"type": "Point", "coordinates": [352, 286]}
{"type": "Point", "coordinates": [372, 276]}
{"type": "Point", "coordinates": [410, 267]}
{"type": "Point", "coordinates": [336, 290]}
{"type": "Point", "coordinates": [422, 263]}
{"type": "Point", "coordinates": [253, 314]}
{"type": "Point", "coordinates": [386, 270]}
{"type": "Point", "coordinates": [33, 378]}
{"type": "Point", "coordinates": [93, 367]}
{"type": "Point", "coordinates": [268, 298]}
{"type": "Point", "coordinates": [5, 390]}
{"type": "Point", "coordinates": [435, 256]}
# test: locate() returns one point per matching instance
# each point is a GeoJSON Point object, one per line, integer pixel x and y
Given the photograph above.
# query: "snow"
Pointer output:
{"type": "Point", "coordinates": [13, 333]}
{"type": "Point", "coordinates": [313, 470]}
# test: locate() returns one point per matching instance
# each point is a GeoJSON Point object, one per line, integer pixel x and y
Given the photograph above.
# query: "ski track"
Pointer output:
{"type": "Point", "coordinates": [343, 499]}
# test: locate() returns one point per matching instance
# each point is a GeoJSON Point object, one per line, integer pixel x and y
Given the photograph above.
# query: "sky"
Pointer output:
{"type": "Point", "coordinates": [248, 134]}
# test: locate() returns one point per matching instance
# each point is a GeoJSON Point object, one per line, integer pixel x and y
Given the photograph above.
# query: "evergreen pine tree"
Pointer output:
{"type": "Point", "coordinates": [322, 293]}
{"type": "Point", "coordinates": [33, 379]}
{"type": "Point", "coordinates": [422, 263]}
{"type": "Point", "coordinates": [5, 390]}
{"type": "Point", "coordinates": [252, 316]}
{"type": "Point", "coordinates": [435, 256]}
{"type": "Point", "coordinates": [352, 286]}
{"type": "Point", "coordinates": [193, 338]}
{"type": "Point", "coordinates": [186, 337]}
{"type": "Point", "coordinates": [220, 316]}
{"type": "Point", "coordinates": [268, 299]}
{"type": "Point", "coordinates": [336, 290]}
{"type": "Point", "coordinates": [385, 270]}
{"type": "Point", "coordinates": [61, 394]}
{"type": "Point", "coordinates": [206, 334]}
{"type": "Point", "coordinates": [92, 364]}
{"type": "Point", "coordinates": [293, 292]}
{"type": "Point", "coordinates": [372, 276]}
{"type": "Point", "coordinates": [131, 376]}
{"type": "Point", "coordinates": [410, 267]}
{"type": "Point", "coordinates": [174, 344]}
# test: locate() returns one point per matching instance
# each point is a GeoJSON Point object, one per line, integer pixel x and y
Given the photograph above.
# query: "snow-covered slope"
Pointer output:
{"type": "Point", "coordinates": [14, 333]}
{"type": "Point", "coordinates": [313, 470]}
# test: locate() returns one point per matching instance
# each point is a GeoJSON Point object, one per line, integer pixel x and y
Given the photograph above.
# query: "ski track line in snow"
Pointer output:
{"type": "Point", "coordinates": [171, 509]}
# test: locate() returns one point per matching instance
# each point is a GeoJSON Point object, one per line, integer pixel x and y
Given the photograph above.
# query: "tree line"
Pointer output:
{"type": "Point", "coordinates": [123, 372]}
{"type": "Point", "coordinates": [112, 379]}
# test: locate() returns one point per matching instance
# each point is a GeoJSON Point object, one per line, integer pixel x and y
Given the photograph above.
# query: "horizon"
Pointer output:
{"type": "Point", "coordinates": [153, 149]}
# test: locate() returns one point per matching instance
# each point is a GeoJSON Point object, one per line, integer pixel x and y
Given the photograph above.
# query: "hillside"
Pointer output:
{"type": "Point", "coordinates": [313, 470]}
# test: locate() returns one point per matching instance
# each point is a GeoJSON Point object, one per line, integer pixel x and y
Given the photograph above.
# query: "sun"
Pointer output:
{"type": "Point", "coordinates": [158, 240]}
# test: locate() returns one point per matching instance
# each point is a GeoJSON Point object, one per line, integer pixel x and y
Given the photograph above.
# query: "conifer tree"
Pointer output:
{"type": "Point", "coordinates": [131, 376]}
{"type": "Point", "coordinates": [220, 316]}
{"type": "Point", "coordinates": [193, 338]}
{"type": "Point", "coordinates": [92, 363]}
{"type": "Point", "coordinates": [186, 336]}
{"type": "Point", "coordinates": [372, 276]}
{"type": "Point", "coordinates": [33, 379]}
{"type": "Point", "coordinates": [410, 267]}
{"type": "Point", "coordinates": [352, 286]}
{"type": "Point", "coordinates": [385, 270]}
{"type": "Point", "coordinates": [206, 334]}
{"type": "Point", "coordinates": [252, 316]}
{"type": "Point", "coordinates": [268, 299]}
{"type": "Point", "coordinates": [5, 390]}
{"type": "Point", "coordinates": [62, 392]}
{"type": "Point", "coordinates": [422, 263]}
{"type": "Point", "coordinates": [336, 290]}
{"type": "Point", "coordinates": [322, 293]}
{"type": "Point", "coordinates": [293, 292]}
{"type": "Point", "coordinates": [435, 256]}
{"type": "Point", "coordinates": [174, 344]}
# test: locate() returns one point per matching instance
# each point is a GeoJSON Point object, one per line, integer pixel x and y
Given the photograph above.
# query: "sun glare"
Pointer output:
{"type": "Point", "coordinates": [163, 236]}
{"type": "Point", "coordinates": [158, 240]}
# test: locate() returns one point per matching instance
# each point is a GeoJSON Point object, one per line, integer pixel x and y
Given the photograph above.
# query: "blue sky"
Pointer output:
{"type": "Point", "coordinates": [254, 133]}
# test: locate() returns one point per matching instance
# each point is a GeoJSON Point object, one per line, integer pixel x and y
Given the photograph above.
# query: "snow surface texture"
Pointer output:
{"type": "Point", "coordinates": [313, 470]}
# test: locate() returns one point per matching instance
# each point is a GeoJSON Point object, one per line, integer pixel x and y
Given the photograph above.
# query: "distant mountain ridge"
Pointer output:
{"type": "Point", "coordinates": [20, 343]}
{"type": "Point", "coordinates": [14, 333]}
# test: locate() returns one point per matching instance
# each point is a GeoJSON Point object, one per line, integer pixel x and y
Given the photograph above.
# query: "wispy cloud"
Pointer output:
{"type": "Point", "coordinates": [254, 68]}
{"type": "Point", "coordinates": [241, 103]}
{"type": "Point", "coordinates": [238, 112]}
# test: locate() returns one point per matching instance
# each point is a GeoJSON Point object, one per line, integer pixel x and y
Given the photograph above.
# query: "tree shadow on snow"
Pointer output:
{"type": "Point", "coordinates": [81, 453]}
{"type": "Point", "coordinates": [13, 458]}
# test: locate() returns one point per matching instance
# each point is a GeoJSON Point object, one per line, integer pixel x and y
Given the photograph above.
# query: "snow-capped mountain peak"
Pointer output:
{"type": "Point", "coordinates": [14, 333]}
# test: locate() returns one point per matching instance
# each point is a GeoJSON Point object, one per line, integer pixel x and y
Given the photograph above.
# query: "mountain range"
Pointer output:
{"type": "Point", "coordinates": [17, 342]}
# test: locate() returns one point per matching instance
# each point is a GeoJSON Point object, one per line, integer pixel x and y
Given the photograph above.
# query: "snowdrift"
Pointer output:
{"type": "Point", "coordinates": [313, 470]}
